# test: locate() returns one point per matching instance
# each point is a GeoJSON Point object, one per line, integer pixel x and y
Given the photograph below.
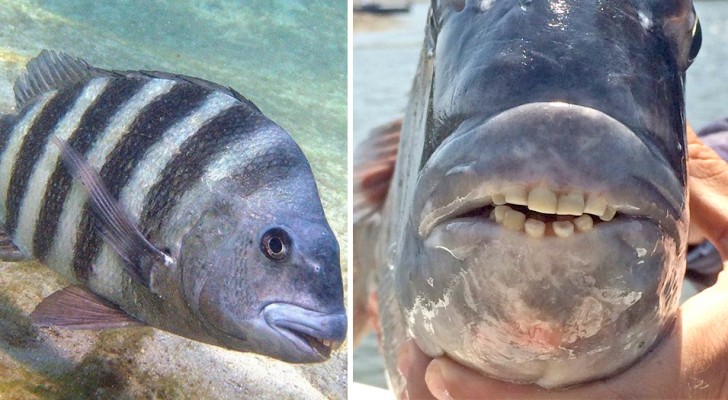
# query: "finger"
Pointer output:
{"type": "Point", "coordinates": [657, 375]}
{"type": "Point", "coordinates": [447, 379]}
{"type": "Point", "coordinates": [412, 364]}
{"type": "Point", "coordinates": [708, 186]}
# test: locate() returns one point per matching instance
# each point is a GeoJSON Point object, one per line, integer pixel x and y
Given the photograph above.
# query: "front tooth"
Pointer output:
{"type": "Point", "coordinates": [609, 214]}
{"type": "Point", "coordinates": [595, 206]}
{"type": "Point", "coordinates": [500, 213]}
{"type": "Point", "coordinates": [542, 200]}
{"type": "Point", "coordinates": [571, 204]}
{"type": "Point", "coordinates": [516, 195]}
{"type": "Point", "coordinates": [563, 229]}
{"type": "Point", "coordinates": [514, 220]}
{"type": "Point", "coordinates": [498, 199]}
{"type": "Point", "coordinates": [584, 223]}
{"type": "Point", "coordinates": [535, 228]}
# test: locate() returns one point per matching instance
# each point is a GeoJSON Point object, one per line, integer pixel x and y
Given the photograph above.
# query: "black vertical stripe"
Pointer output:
{"type": "Point", "coordinates": [93, 122]}
{"type": "Point", "coordinates": [34, 143]}
{"type": "Point", "coordinates": [7, 123]}
{"type": "Point", "coordinates": [188, 166]}
{"type": "Point", "coordinates": [148, 128]}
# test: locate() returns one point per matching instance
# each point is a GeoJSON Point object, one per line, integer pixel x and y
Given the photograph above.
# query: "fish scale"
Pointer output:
{"type": "Point", "coordinates": [115, 94]}
{"type": "Point", "coordinates": [157, 196]}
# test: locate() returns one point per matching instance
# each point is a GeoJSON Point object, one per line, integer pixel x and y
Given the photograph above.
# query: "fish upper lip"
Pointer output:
{"type": "Point", "coordinates": [310, 331]}
{"type": "Point", "coordinates": [457, 179]}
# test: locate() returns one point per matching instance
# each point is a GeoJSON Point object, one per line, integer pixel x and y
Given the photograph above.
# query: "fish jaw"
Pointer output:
{"type": "Point", "coordinates": [305, 335]}
{"type": "Point", "coordinates": [555, 308]}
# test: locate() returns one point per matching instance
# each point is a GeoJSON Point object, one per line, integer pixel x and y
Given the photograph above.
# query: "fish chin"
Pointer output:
{"type": "Point", "coordinates": [553, 311]}
{"type": "Point", "coordinates": [307, 335]}
{"type": "Point", "coordinates": [280, 330]}
{"type": "Point", "coordinates": [517, 274]}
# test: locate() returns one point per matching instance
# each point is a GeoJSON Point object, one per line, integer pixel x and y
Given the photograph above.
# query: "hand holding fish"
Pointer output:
{"type": "Point", "coordinates": [691, 361]}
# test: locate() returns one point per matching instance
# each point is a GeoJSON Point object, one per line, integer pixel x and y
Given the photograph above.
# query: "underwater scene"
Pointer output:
{"type": "Point", "coordinates": [290, 59]}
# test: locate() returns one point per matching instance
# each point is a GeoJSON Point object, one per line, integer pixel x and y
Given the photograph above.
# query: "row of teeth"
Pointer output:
{"type": "Point", "coordinates": [517, 221]}
{"type": "Point", "coordinates": [544, 201]}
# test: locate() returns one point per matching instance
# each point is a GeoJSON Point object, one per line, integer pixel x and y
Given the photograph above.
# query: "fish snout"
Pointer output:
{"type": "Point", "coordinates": [553, 159]}
{"type": "Point", "coordinates": [312, 334]}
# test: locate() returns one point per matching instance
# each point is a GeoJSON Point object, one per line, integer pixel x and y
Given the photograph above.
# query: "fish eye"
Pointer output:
{"type": "Point", "coordinates": [276, 244]}
{"type": "Point", "coordinates": [697, 42]}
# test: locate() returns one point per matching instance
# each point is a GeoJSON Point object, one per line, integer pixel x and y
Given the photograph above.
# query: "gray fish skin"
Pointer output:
{"type": "Point", "coordinates": [581, 98]}
{"type": "Point", "coordinates": [208, 179]}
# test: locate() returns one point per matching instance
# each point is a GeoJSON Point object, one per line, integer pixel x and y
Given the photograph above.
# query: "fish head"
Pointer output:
{"type": "Point", "coordinates": [546, 236]}
{"type": "Point", "coordinates": [261, 268]}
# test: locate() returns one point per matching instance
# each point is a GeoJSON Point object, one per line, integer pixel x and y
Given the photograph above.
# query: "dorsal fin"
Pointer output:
{"type": "Point", "coordinates": [197, 81]}
{"type": "Point", "coordinates": [49, 71]}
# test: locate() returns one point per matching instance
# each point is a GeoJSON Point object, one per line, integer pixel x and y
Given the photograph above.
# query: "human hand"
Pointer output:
{"type": "Point", "coordinates": [692, 362]}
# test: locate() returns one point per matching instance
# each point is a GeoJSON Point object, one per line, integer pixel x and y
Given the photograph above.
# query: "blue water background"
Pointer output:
{"type": "Point", "coordinates": [385, 62]}
{"type": "Point", "coordinates": [288, 57]}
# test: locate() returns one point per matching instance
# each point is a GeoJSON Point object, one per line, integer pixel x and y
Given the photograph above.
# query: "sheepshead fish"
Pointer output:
{"type": "Point", "coordinates": [535, 223]}
{"type": "Point", "coordinates": [170, 201]}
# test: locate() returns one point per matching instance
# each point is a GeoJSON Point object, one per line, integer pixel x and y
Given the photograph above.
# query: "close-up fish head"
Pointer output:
{"type": "Point", "coordinates": [260, 267]}
{"type": "Point", "coordinates": [546, 234]}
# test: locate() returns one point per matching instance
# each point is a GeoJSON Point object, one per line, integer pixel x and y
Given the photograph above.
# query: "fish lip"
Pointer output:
{"type": "Point", "coordinates": [312, 332]}
{"type": "Point", "coordinates": [450, 184]}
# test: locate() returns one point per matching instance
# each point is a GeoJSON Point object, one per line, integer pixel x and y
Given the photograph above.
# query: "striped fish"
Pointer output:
{"type": "Point", "coordinates": [170, 201]}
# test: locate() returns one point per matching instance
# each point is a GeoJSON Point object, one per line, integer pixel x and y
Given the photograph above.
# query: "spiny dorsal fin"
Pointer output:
{"type": "Point", "coordinates": [77, 308]}
{"type": "Point", "coordinates": [49, 71]}
{"type": "Point", "coordinates": [374, 163]}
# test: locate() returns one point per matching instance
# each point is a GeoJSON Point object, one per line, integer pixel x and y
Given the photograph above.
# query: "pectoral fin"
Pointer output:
{"type": "Point", "coordinates": [77, 308]}
{"type": "Point", "coordinates": [374, 163]}
{"type": "Point", "coordinates": [140, 257]}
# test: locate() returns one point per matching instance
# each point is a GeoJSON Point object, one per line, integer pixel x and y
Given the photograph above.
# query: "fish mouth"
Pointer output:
{"type": "Point", "coordinates": [313, 334]}
{"type": "Point", "coordinates": [547, 170]}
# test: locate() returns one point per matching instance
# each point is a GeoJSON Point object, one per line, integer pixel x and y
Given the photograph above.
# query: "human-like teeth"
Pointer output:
{"type": "Point", "coordinates": [595, 206]}
{"type": "Point", "coordinates": [535, 228]}
{"type": "Point", "coordinates": [498, 199]}
{"type": "Point", "coordinates": [516, 195]}
{"type": "Point", "coordinates": [563, 229]}
{"type": "Point", "coordinates": [514, 220]}
{"type": "Point", "coordinates": [326, 343]}
{"type": "Point", "coordinates": [500, 213]}
{"type": "Point", "coordinates": [570, 204]}
{"type": "Point", "coordinates": [542, 200]}
{"type": "Point", "coordinates": [584, 223]}
{"type": "Point", "coordinates": [609, 214]}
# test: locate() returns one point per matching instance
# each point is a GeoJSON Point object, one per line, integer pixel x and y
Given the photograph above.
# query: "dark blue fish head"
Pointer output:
{"type": "Point", "coordinates": [546, 236]}
{"type": "Point", "coordinates": [260, 266]}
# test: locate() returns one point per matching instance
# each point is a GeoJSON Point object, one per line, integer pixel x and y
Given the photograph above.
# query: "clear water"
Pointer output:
{"type": "Point", "coordinates": [288, 56]}
{"type": "Point", "coordinates": [385, 61]}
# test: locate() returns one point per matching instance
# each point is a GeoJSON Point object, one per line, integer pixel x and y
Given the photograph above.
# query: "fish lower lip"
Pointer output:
{"type": "Point", "coordinates": [322, 347]}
